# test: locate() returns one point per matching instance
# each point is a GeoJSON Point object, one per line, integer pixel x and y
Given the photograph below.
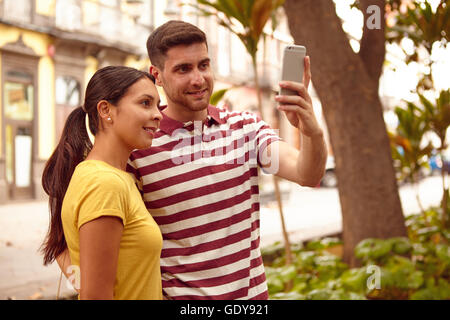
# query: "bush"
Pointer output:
{"type": "Point", "coordinates": [417, 267]}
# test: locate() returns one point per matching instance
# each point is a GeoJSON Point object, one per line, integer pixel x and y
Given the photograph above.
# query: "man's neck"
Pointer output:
{"type": "Point", "coordinates": [184, 114]}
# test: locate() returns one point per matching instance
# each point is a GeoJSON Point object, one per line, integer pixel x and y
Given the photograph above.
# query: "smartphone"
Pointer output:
{"type": "Point", "coordinates": [293, 64]}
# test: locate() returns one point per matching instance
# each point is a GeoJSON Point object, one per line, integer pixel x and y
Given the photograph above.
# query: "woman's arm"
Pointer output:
{"type": "Point", "coordinates": [64, 263]}
{"type": "Point", "coordinates": [99, 252]}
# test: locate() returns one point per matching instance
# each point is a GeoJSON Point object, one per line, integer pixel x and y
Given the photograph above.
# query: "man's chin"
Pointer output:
{"type": "Point", "coordinates": [198, 105]}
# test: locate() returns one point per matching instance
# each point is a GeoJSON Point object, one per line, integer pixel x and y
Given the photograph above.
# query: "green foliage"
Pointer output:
{"type": "Point", "coordinates": [427, 227]}
{"type": "Point", "coordinates": [425, 27]}
{"type": "Point", "coordinates": [378, 250]}
{"type": "Point", "coordinates": [408, 153]}
{"type": "Point", "coordinates": [420, 24]}
{"type": "Point", "coordinates": [217, 96]}
{"type": "Point", "coordinates": [354, 279]}
{"type": "Point", "coordinates": [433, 290]}
{"type": "Point", "coordinates": [437, 114]}
{"type": "Point", "coordinates": [417, 267]}
{"type": "Point", "coordinates": [417, 21]}
{"type": "Point", "coordinates": [325, 243]}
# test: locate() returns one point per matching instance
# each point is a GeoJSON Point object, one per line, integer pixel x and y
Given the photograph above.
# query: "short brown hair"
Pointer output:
{"type": "Point", "coordinates": [171, 34]}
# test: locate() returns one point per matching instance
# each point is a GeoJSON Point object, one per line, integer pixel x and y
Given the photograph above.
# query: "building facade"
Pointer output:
{"type": "Point", "coordinates": [49, 49]}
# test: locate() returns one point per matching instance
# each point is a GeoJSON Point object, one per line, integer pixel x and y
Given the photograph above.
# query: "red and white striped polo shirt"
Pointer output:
{"type": "Point", "coordinates": [200, 183]}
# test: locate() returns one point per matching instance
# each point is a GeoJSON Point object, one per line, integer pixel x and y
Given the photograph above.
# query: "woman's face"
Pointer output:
{"type": "Point", "coordinates": [136, 116]}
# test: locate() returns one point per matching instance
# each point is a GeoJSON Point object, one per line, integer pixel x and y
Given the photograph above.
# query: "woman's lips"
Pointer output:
{"type": "Point", "coordinates": [150, 130]}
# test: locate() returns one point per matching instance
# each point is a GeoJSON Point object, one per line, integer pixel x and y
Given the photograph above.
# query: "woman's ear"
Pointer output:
{"type": "Point", "coordinates": [154, 71]}
{"type": "Point", "coordinates": [104, 111]}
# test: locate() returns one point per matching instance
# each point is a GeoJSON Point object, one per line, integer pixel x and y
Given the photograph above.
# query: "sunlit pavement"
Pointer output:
{"type": "Point", "coordinates": [22, 275]}
{"type": "Point", "coordinates": [314, 212]}
{"type": "Point", "coordinates": [308, 213]}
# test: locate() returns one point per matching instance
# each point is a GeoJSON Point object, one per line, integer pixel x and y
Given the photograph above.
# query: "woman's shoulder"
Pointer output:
{"type": "Point", "coordinates": [95, 172]}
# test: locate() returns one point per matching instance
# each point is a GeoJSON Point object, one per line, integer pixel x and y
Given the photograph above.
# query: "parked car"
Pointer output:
{"type": "Point", "coordinates": [329, 179]}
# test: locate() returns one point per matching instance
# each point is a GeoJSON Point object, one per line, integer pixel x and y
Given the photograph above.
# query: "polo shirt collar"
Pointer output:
{"type": "Point", "coordinates": [169, 125]}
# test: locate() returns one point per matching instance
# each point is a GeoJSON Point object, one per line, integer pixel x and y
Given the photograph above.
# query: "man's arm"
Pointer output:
{"type": "Point", "coordinates": [307, 165]}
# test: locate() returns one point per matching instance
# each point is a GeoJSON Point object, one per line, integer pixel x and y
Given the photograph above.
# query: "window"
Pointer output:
{"type": "Point", "coordinates": [18, 10]}
{"type": "Point", "coordinates": [18, 101]}
{"type": "Point", "coordinates": [68, 91]}
{"type": "Point", "coordinates": [68, 15]}
{"type": "Point", "coordinates": [110, 19]}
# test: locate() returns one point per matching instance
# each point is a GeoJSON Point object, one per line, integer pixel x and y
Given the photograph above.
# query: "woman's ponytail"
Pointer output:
{"type": "Point", "coordinates": [72, 148]}
{"type": "Point", "coordinates": [109, 84]}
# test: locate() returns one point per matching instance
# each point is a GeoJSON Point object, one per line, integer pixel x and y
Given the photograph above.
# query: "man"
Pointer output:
{"type": "Point", "coordinates": [200, 179]}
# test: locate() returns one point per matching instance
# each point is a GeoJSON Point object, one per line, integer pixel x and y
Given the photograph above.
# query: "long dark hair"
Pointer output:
{"type": "Point", "coordinates": [110, 84]}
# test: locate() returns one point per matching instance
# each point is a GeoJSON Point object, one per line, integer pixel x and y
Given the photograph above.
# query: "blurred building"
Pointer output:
{"type": "Point", "coordinates": [49, 49]}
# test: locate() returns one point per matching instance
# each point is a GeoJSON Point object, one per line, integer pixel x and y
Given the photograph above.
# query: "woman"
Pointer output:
{"type": "Point", "coordinates": [96, 210]}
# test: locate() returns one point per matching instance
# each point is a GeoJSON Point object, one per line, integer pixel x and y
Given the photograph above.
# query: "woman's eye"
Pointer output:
{"type": "Point", "coordinates": [146, 103]}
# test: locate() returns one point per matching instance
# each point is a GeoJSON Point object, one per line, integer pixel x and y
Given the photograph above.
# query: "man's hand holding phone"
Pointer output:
{"type": "Point", "coordinates": [298, 107]}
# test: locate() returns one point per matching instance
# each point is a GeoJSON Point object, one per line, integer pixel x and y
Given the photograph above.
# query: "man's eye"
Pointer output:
{"type": "Point", "coordinates": [183, 69]}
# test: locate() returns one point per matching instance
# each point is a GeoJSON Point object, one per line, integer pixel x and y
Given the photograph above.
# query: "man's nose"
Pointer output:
{"type": "Point", "coordinates": [197, 78]}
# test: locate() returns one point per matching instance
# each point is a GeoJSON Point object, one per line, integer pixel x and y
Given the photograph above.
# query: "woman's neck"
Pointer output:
{"type": "Point", "coordinates": [109, 151]}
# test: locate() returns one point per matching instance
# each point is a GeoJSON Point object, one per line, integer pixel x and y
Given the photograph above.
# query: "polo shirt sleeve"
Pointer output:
{"type": "Point", "coordinates": [265, 135]}
{"type": "Point", "coordinates": [106, 194]}
{"type": "Point", "coordinates": [133, 170]}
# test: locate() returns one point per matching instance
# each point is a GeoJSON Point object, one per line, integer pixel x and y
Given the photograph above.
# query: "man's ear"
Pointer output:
{"type": "Point", "coordinates": [154, 71]}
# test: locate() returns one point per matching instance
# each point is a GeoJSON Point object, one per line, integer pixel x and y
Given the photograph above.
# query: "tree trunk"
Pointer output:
{"type": "Point", "coordinates": [347, 85]}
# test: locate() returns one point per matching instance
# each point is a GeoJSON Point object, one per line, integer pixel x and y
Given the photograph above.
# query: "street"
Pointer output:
{"type": "Point", "coordinates": [308, 213]}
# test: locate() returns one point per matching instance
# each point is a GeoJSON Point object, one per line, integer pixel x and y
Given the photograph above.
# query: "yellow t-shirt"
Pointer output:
{"type": "Point", "coordinates": [98, 189]}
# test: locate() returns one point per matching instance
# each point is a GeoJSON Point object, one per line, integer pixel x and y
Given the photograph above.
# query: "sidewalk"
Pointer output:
{"type": "Point", "coordinates": [308, 213]}
{"type": "Point", "coordinates": [23, 227]}
{"type": "Point", "coordinates": [311, 213]}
